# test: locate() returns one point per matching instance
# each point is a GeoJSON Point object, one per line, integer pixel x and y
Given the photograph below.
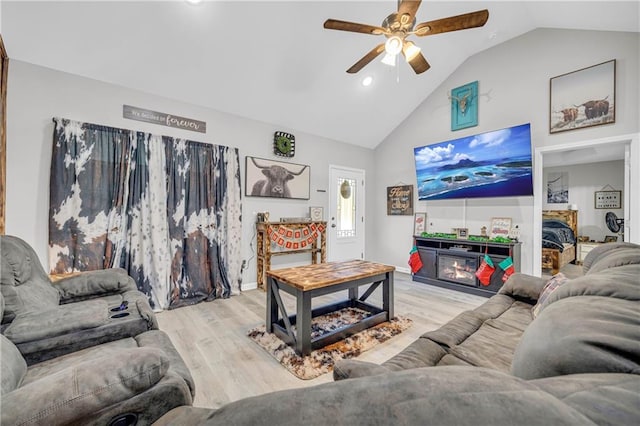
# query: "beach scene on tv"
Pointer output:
{"type": "Point", "coordinates": [491, 164]}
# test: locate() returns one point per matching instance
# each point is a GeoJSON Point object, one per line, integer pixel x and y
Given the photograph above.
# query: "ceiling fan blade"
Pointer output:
{"type": "Point", "coordinates": [453, 23]}
{"type": "Point", "coordinates": [409, 7]}
{"type": "Point", "coordinates": [334, 24]}
{"type": "Point", "coordinates": [417, 62]}
{"type": "Point", "coordinates": [366, 59]}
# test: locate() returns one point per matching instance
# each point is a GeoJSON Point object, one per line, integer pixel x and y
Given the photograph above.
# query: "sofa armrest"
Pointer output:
{"type": "Point", "coordinates": [94, 284]}
{"type": "Point", "coordinates": [351, 368]}
{"type": "Point", "coordinates": [525, 286]}
{"type": "Point", "coordinates": [63, 319]}
{"type": "Point", "coordinates": [76, 392]}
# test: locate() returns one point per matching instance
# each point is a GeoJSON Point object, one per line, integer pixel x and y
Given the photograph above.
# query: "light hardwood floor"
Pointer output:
{"type": "Point", "coordinates": [226, 365]}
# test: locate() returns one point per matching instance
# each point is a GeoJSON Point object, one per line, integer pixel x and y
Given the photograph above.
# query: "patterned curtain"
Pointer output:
{"type": "Point", "coordinates": [166, 210]}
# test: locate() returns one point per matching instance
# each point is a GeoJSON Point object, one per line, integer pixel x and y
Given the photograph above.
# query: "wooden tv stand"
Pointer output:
{"type": "Point", "coordinates": [434, 251]}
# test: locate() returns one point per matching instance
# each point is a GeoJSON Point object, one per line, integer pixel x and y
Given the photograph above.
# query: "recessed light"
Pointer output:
{"type": "Point", "coordinates": [367, 81]}
{"type": "Point", "coordinates": [194, 1]}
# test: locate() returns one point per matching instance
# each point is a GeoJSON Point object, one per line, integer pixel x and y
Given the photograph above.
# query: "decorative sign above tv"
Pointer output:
{"type": "Point", "coordinates": [163, 119]}
{"type": "Point", "coordinates": [491, 164]}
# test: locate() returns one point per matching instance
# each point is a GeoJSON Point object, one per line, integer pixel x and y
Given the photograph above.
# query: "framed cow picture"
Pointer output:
{"type": "Point", "coordinates": [276, 179]}
{"type": "Point", "coordinates": [583, 98]}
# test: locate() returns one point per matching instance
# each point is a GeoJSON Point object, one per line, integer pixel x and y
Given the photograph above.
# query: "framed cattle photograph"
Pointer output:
{"type": "Point", "coordinates": [276, 179]}
{"type": "Point", "coordinates": [583, 98]}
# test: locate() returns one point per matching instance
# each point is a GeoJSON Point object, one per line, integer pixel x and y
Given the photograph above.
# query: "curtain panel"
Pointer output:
{"type": "Point", "coordinates": [166, 210]}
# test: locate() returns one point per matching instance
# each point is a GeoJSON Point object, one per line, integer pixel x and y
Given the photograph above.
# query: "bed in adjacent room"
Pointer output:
{"type": "Point", "coordinates": [559, 238]}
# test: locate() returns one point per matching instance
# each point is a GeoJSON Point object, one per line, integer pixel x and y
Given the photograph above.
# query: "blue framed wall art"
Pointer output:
{"type": "Point", "coordinates": [464, 106]}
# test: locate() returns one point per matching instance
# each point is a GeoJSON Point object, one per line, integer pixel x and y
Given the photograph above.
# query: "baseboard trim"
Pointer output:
{"type": "Point", "coordinates": [403, 270]}
{"type": "Point", "coordinates": [249, 286]}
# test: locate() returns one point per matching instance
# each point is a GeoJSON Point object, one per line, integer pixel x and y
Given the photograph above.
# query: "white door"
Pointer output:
{"type": "Point", "coordinates": [345, 222]}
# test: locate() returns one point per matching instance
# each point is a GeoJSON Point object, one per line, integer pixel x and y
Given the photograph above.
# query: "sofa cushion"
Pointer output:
{"type": "Point", "coordinates": [14, 366]}
{"type": "Point", "coordinates": [556, 281]}
{"type": "Point", "coordinates": [16, 266]}
{"type": "Point", "coordinates": [523, 286]}
{"type": "Point", "coordinates": [94, 284]}
{"type": "Point", "coordinates": [603, 251]}
{"type": "Point", "coordinates": [85, 387]}
{"type": "Point", "coordinates": [63, 319]}
{"type": "Point", "coordinates": [619, 283]}
{"type": "Point", "coordinates": [581, 334]}
{"type": "Point", "coordinates": [24, 284]}
{"type": "Point", "coordinates": [615, 258]}
{"type": "Point", "coordinates": [606, 399]}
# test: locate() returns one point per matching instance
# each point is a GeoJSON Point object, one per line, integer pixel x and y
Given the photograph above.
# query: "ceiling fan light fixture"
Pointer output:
{"type": "Point", "coordinates": [393, 45]}
{"type": "Point", "coordinates": [389, 60]}
{"type": "Point", "coordinates": [411, 51]}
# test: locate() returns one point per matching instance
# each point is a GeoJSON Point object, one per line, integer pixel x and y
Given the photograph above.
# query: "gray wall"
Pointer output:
{"type": "Point", "coordinates": [513, 80]}
{"type": "Point", "coordinates": [37, 94]}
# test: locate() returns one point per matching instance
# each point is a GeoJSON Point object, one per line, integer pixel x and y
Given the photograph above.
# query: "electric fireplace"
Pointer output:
{"type": "Point", "coordinates": [458, 269]}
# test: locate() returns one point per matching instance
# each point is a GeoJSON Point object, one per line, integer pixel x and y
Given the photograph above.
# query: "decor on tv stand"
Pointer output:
{"type": "Point", "coordinates": [419, 223]}
{"type": "Point", "coordinates": [454, 236]}
{"type": "Point", "coordinates": [500, 227]}
{"type": "Point", "coordinates": [462, 233]}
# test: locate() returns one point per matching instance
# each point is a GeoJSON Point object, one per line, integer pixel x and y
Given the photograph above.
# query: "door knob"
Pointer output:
{"type": "Point", "coordinates": [333, 225]}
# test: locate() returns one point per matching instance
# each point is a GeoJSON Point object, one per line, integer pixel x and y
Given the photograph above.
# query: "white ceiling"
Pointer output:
{"type": "Point", "coordinates": [273, 61]}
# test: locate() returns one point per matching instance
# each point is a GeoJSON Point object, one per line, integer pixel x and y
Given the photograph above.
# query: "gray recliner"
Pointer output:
{"type": "Point", "coordinates": [45, 319]}
{"type": "Point", "coordinates": [125, 382]}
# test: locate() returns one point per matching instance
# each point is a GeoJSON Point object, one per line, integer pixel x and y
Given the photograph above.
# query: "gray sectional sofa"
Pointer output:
{"type": "Point", "coordinates": [84, 350]}
{"type": "Point", "coordinates": [121, 383]}
{"type": "Point", "coordinates": [45, 319]}
{"type": "Point", "coordinates": [576, 363]}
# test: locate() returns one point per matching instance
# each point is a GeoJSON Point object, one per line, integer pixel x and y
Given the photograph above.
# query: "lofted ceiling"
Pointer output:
{"type": "Point", "coordinates": [273, 61]}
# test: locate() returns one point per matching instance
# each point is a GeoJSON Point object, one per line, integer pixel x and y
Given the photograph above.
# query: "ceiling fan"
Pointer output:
{"type": "Point", "coordinates": [397, 26]}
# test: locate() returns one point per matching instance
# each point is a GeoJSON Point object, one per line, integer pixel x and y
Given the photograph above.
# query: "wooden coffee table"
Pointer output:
{"type": "Point", "coordinates": [307, 282]}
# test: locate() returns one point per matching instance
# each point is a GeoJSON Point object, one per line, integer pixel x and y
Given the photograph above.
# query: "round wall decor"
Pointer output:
{"type": "Point", "coordinates": [284, 144]}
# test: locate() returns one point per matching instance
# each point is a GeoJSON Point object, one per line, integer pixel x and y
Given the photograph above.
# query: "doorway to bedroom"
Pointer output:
{"type": "Point", "coordinates": [588, 167]}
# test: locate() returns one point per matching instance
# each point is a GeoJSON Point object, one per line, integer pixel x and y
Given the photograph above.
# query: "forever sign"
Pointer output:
{"type": "Point", "coordinates": [139, 114]}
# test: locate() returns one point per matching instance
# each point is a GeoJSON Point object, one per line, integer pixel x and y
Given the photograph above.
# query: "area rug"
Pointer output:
{"type": "Point", "coordinates": [321, 361]}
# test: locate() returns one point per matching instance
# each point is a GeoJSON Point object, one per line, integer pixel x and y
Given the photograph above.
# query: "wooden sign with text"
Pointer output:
{"type": "Point", "coordinates": [163, 119]}
{"type": "Point", "coordinates": [400, 200]}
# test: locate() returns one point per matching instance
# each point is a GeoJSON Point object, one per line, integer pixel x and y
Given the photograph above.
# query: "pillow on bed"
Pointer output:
{"type": "Point", "coordinates": [554, 223]}
{"type": "Point", "coordinates": [556, 281]}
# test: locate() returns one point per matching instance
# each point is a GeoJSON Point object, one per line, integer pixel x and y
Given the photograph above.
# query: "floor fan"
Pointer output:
{"type": "Point", "coordinates": [615, 224]}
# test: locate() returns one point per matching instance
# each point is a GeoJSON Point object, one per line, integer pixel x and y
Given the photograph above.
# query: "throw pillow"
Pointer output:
{"type": "Point", "coordinates": [556, 281]}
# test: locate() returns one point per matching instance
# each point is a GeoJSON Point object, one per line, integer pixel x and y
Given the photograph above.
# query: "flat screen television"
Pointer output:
{"type": "Point", "coordinates": [491, 164]}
